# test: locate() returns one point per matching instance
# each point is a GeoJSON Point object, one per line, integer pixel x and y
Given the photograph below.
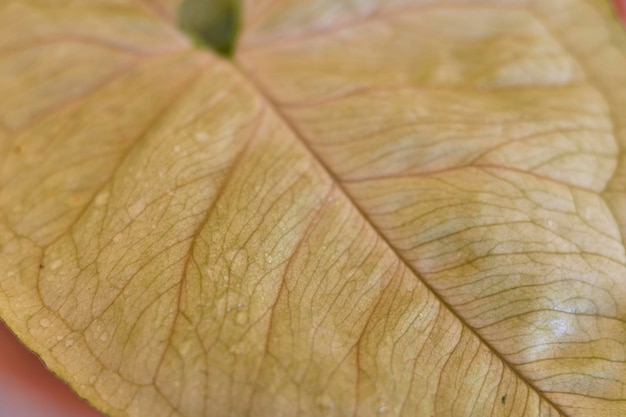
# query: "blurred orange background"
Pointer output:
{"type": "Point", "coordinates": [620, 5]}
{"type": "Point", "coordinates": [27, 389]}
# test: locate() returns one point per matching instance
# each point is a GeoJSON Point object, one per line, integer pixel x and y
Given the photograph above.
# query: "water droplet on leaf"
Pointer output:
{"type": "Point", "coordinates": [102, 199]}
{"type": "Point", "coordinates": [202, 136]}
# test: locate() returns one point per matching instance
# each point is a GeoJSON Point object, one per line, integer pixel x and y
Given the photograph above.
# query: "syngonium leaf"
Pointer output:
{"type": "Point", "coordinates": [398, 208]}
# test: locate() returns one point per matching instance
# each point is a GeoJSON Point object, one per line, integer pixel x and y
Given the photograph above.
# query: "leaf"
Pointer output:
{"type": "Point", "coordinates": [400, 208]}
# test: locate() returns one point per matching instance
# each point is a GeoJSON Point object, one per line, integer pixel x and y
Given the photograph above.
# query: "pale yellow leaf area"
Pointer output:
{"type": "Point", "coordinates": [377, 208]}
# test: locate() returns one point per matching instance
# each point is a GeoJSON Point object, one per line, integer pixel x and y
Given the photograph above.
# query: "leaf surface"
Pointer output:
{"type": "Point", "coordinates": [398, 208]}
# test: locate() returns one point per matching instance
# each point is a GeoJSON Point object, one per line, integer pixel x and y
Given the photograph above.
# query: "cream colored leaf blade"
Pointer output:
{"type": "Point", "coordinates": [399, 208]}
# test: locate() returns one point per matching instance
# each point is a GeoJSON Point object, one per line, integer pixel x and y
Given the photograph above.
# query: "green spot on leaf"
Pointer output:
{"type": "Point", "coordinates": [211, 23]}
